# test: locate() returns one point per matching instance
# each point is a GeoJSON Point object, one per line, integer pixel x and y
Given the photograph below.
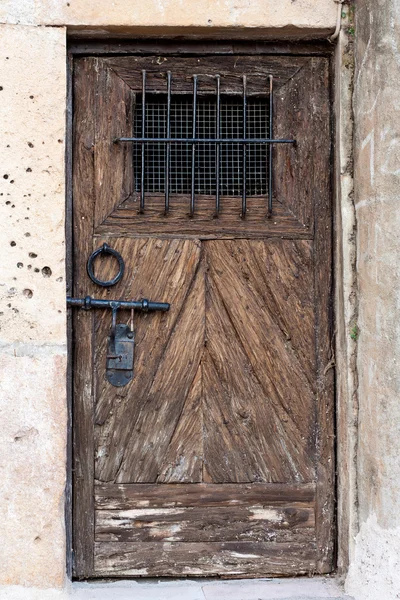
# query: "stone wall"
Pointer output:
{"type": "Point", "coordinates": [32, 280]}
{"type": "Point", "coordinates": [375, 569]}
{"type": "Point", "coordinates": [32, 306]}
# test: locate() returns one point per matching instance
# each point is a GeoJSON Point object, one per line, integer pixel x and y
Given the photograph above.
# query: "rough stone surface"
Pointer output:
{"type": "Point", "coordinates": [374, 572]}
{"type": "Point", "coordinates": [32, 194]}
{"type": "Point", "coordinates": [301, 15]}
{"type": "Point", "coordinates": [32, 471]}
{"type": "Point", "coordinates": [345, 295]}
{"type": "Point", "coordinates": [200, 589]}
{"type": "Point", "coordinates": [32, 306]}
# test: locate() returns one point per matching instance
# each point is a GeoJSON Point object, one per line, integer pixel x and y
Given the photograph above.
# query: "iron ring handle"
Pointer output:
{"type": "Point", "coordinates": [106, 249]}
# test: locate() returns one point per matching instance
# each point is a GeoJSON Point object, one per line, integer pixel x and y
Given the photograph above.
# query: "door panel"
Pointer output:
{"type": "Point", "coordinates": [217, 458]}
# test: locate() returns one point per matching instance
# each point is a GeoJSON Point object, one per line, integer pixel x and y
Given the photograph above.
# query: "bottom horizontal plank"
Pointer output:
{"type": "Point", "coordinates": [146, 559]}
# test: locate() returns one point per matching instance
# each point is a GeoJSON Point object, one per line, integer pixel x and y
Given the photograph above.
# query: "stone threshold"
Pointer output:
{"type": "Point", "coordinates": [318, 588]}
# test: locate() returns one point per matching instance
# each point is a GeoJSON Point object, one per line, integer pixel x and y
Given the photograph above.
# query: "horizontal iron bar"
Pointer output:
{"type": "Point", "coordinates": [206, 140]}
{"type": "Point", "coordinates": [143, 305]}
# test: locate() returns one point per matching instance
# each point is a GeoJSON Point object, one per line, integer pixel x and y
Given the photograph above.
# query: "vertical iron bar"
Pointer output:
{"type": "Point", "coordinates": [168, 146]}
{"type": "Point", "coordinates": [218, 147]}
{"type": "Point", "coordinates": [270, 147]}
{"type": "Point", "coordinates": [244, 172]}
{"type": "Point", "coordinates": [143, 135]}
{"type": "Point", "coordinates": [193, 145]}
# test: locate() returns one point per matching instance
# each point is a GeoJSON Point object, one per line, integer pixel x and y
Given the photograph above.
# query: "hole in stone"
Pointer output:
{"type": "Point", "coordinates": [27, 293]}
{"type": "Point", "coordinates": [27, 234]}
{"type": "Point", "coordinates": [59, 279]}
{"type": "Point", "coordinates": [29, 170]}
{"type": "Point", "coordinates": [46, 272]}
{"type": "Point", "coordinates": [13, 243]}
{"type": "Point", "coordinates": [29, 267]}
{"type": "Point", "coordinates": [32, 255]}
{"type": "Point", "coordinates": [36, 270]}
{"type": "Point", "coordinates": [30, 144]}
{"type": "Point", "coordinates": [20, 265]}
{"type": "Point", "coordinates": [5, 176]}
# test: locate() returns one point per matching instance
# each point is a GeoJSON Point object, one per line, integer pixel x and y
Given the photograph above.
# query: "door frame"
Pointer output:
{"type": "Point", "coordinates": [92, 47]}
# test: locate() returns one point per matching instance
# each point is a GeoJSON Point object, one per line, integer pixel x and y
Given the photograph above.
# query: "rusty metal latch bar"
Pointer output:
{"type": "Point", "coordinates": [121, 342]}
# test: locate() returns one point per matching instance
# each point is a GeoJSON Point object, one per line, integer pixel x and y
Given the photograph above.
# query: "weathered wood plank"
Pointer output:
{"type": "Point", "coordinates": [161, 409]}
{"type": "Point", "coordinates": [244, 559]}
{"type": "Point", "coordinates": [132, 496]}
{"type": "Point", "coordinates": [231, 69]}
{"type": "Point", "coordinates": [300, 111]}
{"type": "Point", "coordinates": [286, 282]}
{"type": "Point", "coordinates": [241, 421]}
{"type": "Point", "coordinates": [113, 162]}
{"type": "Point", "coordinates": [183, 462]}
{"type": "Point", "coordinates": [162, 47]}
{"type": "Point", "coordinates": [126, 220]}
{"type": "Point", "coordinates": [271, 357]}
{"type": "Point", "coordinates": [323, 256]}
{"type": "Point", "coordinates": [162, 270]}
{"type": "Point", "coordinates": [194, 524]}
{"type": "Point", "coordinates": [83, 206]}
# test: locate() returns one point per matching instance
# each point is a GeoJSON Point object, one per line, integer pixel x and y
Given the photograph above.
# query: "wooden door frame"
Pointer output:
{"type": "Point", "coordinates": [92, 47]}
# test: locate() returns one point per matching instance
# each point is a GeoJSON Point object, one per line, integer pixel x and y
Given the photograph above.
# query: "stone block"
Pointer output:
{"type": "Point", "coordinates": [32, 469]}
{"type": "Point", "coordinates": [32, 190]}
{"type": "Point", "coordinates": [285, 17]}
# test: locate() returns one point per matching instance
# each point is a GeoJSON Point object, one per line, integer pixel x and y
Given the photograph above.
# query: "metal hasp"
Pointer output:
{"type": "Point", "coordinates": [197, 142]}
{"type": "Point", "coordinates": [121, 342]}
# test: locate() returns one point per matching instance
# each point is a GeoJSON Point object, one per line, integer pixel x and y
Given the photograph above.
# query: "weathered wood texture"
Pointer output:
{"type": "Point", "coordinates": [130, 496]}
{"type": "Point", "coordinates": [230, 68]}
{"type": "Point", "coordinates": [229, 559]}
{"type": "Point", "coordinates": [215, 525]}
{"type": "Point", "coordinates": [217, 458]}
{"type": "Point", "coordinates": [113, 162]}
{"type": "Point", "coordinates": [83, 223]}
{"type": "Point", "coordinates": [214, 376]}
{"type": "Point", "coordinates": [126, 220]}
{"type": "Point", "coordinates": [160, 47]}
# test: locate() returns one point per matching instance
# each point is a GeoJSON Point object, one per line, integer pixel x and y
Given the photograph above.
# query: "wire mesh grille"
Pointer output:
{"type": "Point", "coordinates": [231, 155]}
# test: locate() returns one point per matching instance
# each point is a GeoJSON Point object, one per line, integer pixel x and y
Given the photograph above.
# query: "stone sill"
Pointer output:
{"type": "Point", "coordinates": [318, 588]}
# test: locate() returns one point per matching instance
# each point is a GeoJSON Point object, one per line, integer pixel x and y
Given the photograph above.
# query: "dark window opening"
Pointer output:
{"type": "Point", "coordinates": [231, 155]}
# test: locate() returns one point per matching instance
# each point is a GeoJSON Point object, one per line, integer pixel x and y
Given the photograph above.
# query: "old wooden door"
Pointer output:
{"type": "Point", "coordinates": [217, 458]}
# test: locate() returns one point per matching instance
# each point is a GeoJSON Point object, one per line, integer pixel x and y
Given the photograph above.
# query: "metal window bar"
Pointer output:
{"type": "Point", "coordinates": [244, 158]}
{"type": "Point", "coordinates": [208, 146]}
{"type": "Point", "coordinates": [218, 146]}
{"type": "Point", "coordinates": [270, 173]}
{"type": "Point", "coordinates": [167, 145]}
{"type": "Point", "coordinates": [142, 192]}
{"type": "Point", "coordinates": [192, 193]}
